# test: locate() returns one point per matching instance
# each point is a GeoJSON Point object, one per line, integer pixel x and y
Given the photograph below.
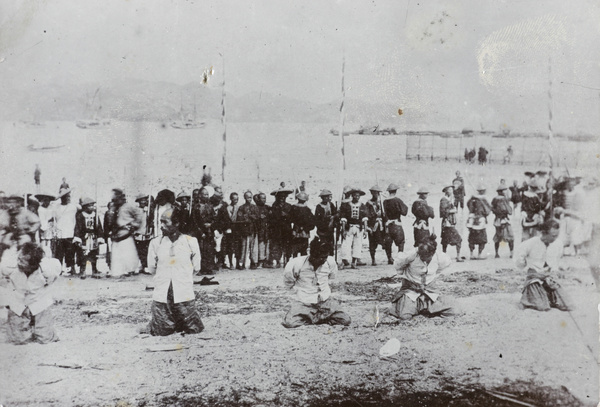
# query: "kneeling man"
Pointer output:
{"type": "Point", "coordinates": [173, 258]}
{"type": "Point", "coordinates": [310, 275]}
{"type": "Point", "coordinates": [29, 296]}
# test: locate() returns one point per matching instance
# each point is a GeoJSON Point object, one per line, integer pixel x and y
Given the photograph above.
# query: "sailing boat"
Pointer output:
{"type": "Point", "coordinates": [38, 148]}
{"type": "Point", "coordinates": [31, 124]}
{"type": "Point", "coordinates": [187, 122]}
{"type": "Point", "coordinates": [95, 122]}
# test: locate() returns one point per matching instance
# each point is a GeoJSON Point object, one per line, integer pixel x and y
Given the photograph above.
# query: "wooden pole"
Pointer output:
{"type": "Point", "coordinates": [550, 137]}
{"type": "Point", "coordinates": [342, 171]}
{"type": "Point", "coordinates": [224, 124]}
{"type": "Point", "coordinates": [342, 118]}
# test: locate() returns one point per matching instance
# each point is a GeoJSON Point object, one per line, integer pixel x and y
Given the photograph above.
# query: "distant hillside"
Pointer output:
{"type": "Point", "coordinates": [136, 100]}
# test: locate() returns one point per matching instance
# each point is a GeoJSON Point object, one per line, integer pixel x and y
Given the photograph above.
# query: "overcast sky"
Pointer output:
{"type": "Point", "coordinates": [469, 63]}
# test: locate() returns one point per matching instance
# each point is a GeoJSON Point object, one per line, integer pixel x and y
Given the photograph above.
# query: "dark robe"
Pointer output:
{"type": "Point", "coordinates": [303, 222]}
{"type": "Point", "coordinates": [280, 231]}
{"type": "Point", "coordinates": [422, 212]}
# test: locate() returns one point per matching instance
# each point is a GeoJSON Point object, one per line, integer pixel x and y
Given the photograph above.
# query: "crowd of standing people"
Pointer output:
{"type": "Point", "coordinates": [209, 234]}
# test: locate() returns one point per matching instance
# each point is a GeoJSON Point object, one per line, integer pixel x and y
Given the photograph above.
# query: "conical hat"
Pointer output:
{"type": "Point", "coordinates": [356, 190]}
{"type": "Point", "coordinates": [302, 196]}
{"type": "Point", "coordinates": [182, 194]}
{"type": "Point", "coordinates": [87, 201]}
{"type": "Point", "coordinates": [63, 191]}
{"type": "Point", "coordinates": [44, 195]}
{"type": "Point", "coordinates": [141, 197]}
{"type": "Point", "coordinates": [282, 190]}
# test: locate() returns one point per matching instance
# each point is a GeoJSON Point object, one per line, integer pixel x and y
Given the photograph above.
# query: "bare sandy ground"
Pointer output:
{"type": "Point", "coordinates": [246, 357]}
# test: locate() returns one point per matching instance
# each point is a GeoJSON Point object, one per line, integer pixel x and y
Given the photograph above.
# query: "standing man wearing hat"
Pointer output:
{"type": "Point", "coordinates": [325, 219]}
{"type": "Point", "coordinates": [394, 208]}
{"type": "Point", "coordinates": [202, 219]}
{"type": "Point", "coordinates": [353, 222]}
{"type": "Point", "coordinates": [532, 213]}
{"type": "Point", "coordinates": [183, 199]}
{"type": "Point", "coordinates": [227, 216]}
{"type": "Point", "coordinates": [144, 235]}
{"type": "Point", "coordinates": [124, 257]}
{"type": "Point", "coordinates": [260, 240]}
{"type": "Point", "coordinates": [246, 218]}
{"type": "Point", "coordinates": [450, 235]}
{"type": "Point", "coordinates": [303, 222]}
{"type": "Point", "coordinates": [459, 191]}
{"type": "Point", "coordinates": [280, 227]}
{"type": "Point", "coordinates": [501, 208]}
{"type": "Point", "coordinates": [479, 209]}
{"type": "Point", "coordinates": [46, 221]}
{"type": "Point", "coordinates": [422, 212]}
{"type": "Point", "coordinates": [375, 222]}
{"type": "Point", "coordinates": [88, 234]}
{"type": "Point", "coordinates": [64, 220]}
{"type": "Point", "coordinates": [219, 224]}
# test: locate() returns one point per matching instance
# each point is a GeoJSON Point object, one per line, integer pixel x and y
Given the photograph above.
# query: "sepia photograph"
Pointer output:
{"type": "Point", "coordinates": [312, 203]}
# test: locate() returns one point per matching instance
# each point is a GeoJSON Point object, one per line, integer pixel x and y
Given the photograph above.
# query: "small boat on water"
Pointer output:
{"type": "Point", "coordinates": [187, 122]}
{"type": "Point", "coordinates": [31, 124]}
{"type": "Point", "coordinates": [33, 147]}
{"type": "Point", "coordinates": [367, 131]}
{"type": "Point", "coordinates": [94, 122]}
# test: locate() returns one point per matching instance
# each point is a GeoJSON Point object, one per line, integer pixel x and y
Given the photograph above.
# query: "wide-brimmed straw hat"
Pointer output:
{"type": "Point", "coordinates": [87, 201]}
{"type": "Point", "coordinates": [501, 187]}
{"type": "Point", "coordinates": [481, 187]}
{"type": "Point", "coordinates": [376, 188]}
{"type": "Point", "coordinates": [141, 197]}
{"type": "Point", "coordinates": [302, 196]}
{"type": "Point", "coordinates": [44, 195]}
{"type": "Point", "coordinates": [282, 190]}
{"type": "Point", "coordinates": [392, 187]}
{"type": "Point", "coordinates": [182, 195]}
{"type": "Point", "coordinates": [325, 192]}
{"type": "Point", "coordinates": [15, 197]}
{"type": "Point", "coordinates": [422, 190]}
{"type": "Point", "coordinates": [63, 191]}
{"type": "Point", "coordinates": [446, 187]}
{"type": "Point", "coordinates": [356, 190]}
